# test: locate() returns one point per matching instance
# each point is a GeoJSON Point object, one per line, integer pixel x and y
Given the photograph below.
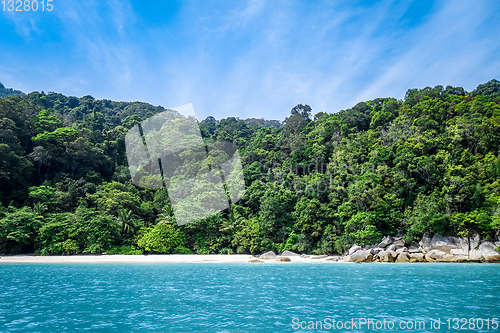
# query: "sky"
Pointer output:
{"type": "Point", "coordinates": [250, 58]}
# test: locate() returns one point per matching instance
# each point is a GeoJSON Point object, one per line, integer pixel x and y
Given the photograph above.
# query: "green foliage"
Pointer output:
{"type": "Point", "coordinates": [43, 194]}
{"type": "Point", "coordinates": [124, 249]}
{"type": "Point", "coordinates": [85, 231]}
{"type": "Point", "coordinates": [427, 217]}
{"type": "Point", "coordinates": [426, 164]}
{"type": "Point", "coordinates": [226, 251]}
{"type": "Point", "coordinates": [18, 230]}
{"type": "Point", "coordinates": [161, 238]}
{"type": "Point", "coordinates": [58, 136]}
{"type": "Point", "coordinates": [182, 250]}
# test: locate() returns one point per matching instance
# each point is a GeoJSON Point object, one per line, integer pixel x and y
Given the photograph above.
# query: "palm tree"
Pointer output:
{"type": "Point", "coordinates": [233, 220]}
{"type": "Point", "coordinates": [39, 208]}
{"type": "Point", "coordinates": [125, 221]}
{"type": "Point", "coordinates": [167, 215]}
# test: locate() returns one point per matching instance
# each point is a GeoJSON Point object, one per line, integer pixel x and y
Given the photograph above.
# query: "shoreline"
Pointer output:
{"type": "Point", "coordinates": [186, 259]}
{"type": "Point", "coordinates": [156, 258]}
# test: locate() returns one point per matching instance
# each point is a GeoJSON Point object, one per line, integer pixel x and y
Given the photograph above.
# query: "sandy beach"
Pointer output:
{"type": "Point", "coordinates": [168, 258]}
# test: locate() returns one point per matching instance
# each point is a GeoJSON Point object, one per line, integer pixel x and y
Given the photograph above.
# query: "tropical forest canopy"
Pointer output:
{"type": "Point", "coordinates": [313, 183]}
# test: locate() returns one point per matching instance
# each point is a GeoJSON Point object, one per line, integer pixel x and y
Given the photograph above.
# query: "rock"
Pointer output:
{"type": "Point", "coordinates": [401, 250]}
{"type": "Point", "coordinates": [318, 256]}
{"type": "Point", "coordinates": [393, 253]}
{"type": "Point", "coordinates": [435, 255]}
{"type": "Point", "coordinates": [399, 243]}
{"type": "Point", "coordinates": [255, 261]}
{"type": "Point", "coordinates": [450, 258]}
{"type": "Point", "coordinates": [354, 248]}
{"type": "Point", "coordinates": [332, 259]}
{"type": "Point", "coordinates": [474, 242]}
{"type": "Point", "coordinates": [287, 253]}
{"type": "Point", "coordinates": [374, 251]}
{"type": "Point", "coordinates": [268, 255]}
{"type": "Point", "coordinates": [488, 251]}
{"type": "Point", "coordinates": [387, 240]}
{"type": "Point", "coordinates": [475, 255]}
{"type": "Point", "coordinates": [283, 259]}
{"type": "Point", "coordinates": [304, 256]}
{"type": "Point", "coordinates": [417, 257]}
{"type": "Point", "coordinates": [385, 256]}
{"type": "Point", "coordinates": [459, 252]}
{"type": "Point", "coordinates": [403, 257]}
{"type": "Point", "coordinates": [462, 243]}
{"type": "Point", "coordinates": [391, 247]}
{"type": "Point", "coordinates": [425, 243]}
{"type": "Point", "coordinates": [443, 244]}
{"type": "Point", "coordinates": [360, 256]}
{"type": "Point", "coordinates": [414, 249]}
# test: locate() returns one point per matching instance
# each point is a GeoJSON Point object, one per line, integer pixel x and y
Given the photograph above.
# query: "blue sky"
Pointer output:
{"type": "Point", "coordinates": [249, 58]}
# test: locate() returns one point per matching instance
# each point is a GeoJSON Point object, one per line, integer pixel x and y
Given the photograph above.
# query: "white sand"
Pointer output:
{"type": "Point", "coordinates": [168, 258]}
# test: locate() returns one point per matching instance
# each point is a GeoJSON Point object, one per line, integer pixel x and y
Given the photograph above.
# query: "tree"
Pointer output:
{"type": "Point", "coordinates": [125, 222]}
{"type": "Point", "coordinates": [161, 238]}
{"type": "Point", "coordinates": [18, 230]}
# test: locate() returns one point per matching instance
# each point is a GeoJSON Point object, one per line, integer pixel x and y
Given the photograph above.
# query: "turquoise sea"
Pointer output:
{"type": "Point", "coordinates": [249, 297]}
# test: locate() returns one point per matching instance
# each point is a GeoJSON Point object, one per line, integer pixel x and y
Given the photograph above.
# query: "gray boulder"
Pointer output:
{"type": "Point", "coordinates": [443, 244]}
{"type": "Point", "coordinates": [401, 250]}
{"type": "Point", "coordinates": [287, 253]}
{"type": "Point", "coordinates": [476, 255]}
{"type": "Point", "coordinates": [403, 257]}
{"type": "Point", "coordinates": [283, 259]}
{"type": "Point", "coordinates": [268, 255]}
{"type": "Point", "coordinates": [354, 248]}
{"type": "Point", "coordinates": [399, 243]}
{"type": "Point", "coordinates": [435, 255]}
{"type": "Point", "coordinates": [474, 242]}
{"type": "Point", "coordinates": [385, 256]}
{"type": "Point", "coordinates": [386, 241]}
{"type": "Point", "coordinates": [488, 251]}
{"type": "Point", "coordinates": [391, 247]}
{"type": "Point", "coordinates": [417, 257]}
{"type": "Point", "coordinates": [459, 252]}
{"type": "Point", "coordinates": [414, 249]}
{"type": "Point", "coordinates": [425, 244]}
{"type": "Point", "coordinates": [462, 243]}
{"type": "Point", "coordinates": [360, 256]}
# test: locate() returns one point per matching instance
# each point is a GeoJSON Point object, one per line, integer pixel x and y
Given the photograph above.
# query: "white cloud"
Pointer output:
{"type": "Point", "coordinates": [258, 58]}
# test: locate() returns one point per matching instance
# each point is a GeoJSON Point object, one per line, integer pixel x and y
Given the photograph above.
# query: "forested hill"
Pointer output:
{"type": "Point", "coordinates": [426, 164]}
{"type": "Point", "coordinates": [7, 92]}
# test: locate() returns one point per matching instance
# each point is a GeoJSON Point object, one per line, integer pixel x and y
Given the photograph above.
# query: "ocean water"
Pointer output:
{"type": "Point", "coordinates": [241, 298]}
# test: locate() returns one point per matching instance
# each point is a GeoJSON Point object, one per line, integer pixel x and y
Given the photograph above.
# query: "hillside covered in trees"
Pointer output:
{"type": "Point", "coordinates": [315, 184]}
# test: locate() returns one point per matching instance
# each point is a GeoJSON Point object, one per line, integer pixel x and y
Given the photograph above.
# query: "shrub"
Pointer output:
{"type": "Point", "coordinates": [226, 251]}
{"type": "Point", "coordinates": [182, 250]}
{"type": "Point", "coordinates": [162, 238]}
{"type": "Point", "coordinates": [124, 249]}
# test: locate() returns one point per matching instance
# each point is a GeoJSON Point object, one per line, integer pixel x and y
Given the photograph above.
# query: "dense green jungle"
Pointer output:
{"type": "Point", "coordinates": [314, 182]}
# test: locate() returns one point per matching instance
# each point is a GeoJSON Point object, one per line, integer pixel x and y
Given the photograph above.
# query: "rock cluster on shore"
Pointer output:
{"type": "Point", "coordinates": [435, 249]}
{"type": "Point", "coordinates": [395, 249]}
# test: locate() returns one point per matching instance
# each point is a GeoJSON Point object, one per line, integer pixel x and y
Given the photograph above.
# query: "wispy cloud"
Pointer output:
{"type": "Point", "coordinates": [254, 58]}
